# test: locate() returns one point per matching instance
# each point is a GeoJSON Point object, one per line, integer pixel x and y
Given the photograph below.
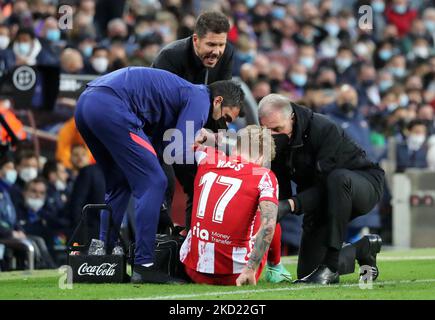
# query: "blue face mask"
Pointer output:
{"type": "Point", "coordinates": [278, 13]}
{"type": "Point", "coordinates": [403, 100]}
{"type": "Point", "coordinates": [397, 72]}
{"type": "Point", "coordinates": [378, 6]}
{"type": "Point", "coordinates": [308, 62]}
{"type": "Point", "coordinates": [246, 57]}
{"type": "Point", "coordinates": [87, 51]}
{"type": "Point", "coordinates": [298, 79]}
{"type": "Point", "coordinates": [385, 55]}
{"type": "Point", "coordinates": [24, 48]}
{"type": "Point", "coordinates": [333, 29]}
{"type": "Point", "coordinates": [400, 9]}
{"type": "Point", "coordinates": [384, 85]}
{"type": "Point", "coordinates": [11, 176]}
{"type": "Point", "coordinates": [53, 35]}
{"type": "Point", "coordinates": [430, 25]}
{"type": "Point", "coordinates": [343, 64]}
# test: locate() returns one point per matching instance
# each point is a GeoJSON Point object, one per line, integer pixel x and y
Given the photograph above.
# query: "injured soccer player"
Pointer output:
{"type": "Point", "coordinates": [234, 211]}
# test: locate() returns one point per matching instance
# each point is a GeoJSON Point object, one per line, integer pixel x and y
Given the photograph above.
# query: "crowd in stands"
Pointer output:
{"type": "Point", "coordinates": [377, 83]}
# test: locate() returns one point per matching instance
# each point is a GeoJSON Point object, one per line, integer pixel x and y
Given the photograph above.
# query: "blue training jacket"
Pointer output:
{"type": "Point", "coordinates": [160, 99]}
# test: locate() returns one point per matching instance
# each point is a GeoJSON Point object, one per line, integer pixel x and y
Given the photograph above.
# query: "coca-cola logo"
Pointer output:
{"type": "Point", "coordinates": [104, 269]}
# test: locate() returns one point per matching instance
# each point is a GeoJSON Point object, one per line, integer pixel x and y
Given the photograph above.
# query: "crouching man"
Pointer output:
{"type": "Point", "coordinates": [228, 238]}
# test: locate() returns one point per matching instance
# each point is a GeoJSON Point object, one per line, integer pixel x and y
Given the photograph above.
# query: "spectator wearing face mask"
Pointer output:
{"type": "Point", "coordinates": [429, 22]}
{"type": "Point", "coordinates": [296, 81]}
{"type": "Point", "coordinates": [420, 52]}
{"type": "Point", "coordinates": [310, 34]}
{"type": "Point", "coordinates": [8, 176]}
{"type": "Point", "coordinates": [329, 46]}
{"type": "Point", "coordinates": [412, 152]}
{"type": "Point", "coordinates": [368, 92]}
{"type": "Point", "coordinates": [379, 22]}
{"type": "Point", "coordinates": [51, 41]}
{"type": "Point", "coordinates": [58, 185]}
{"type": "Point", "coordinates": [344, 111]}
{"type": "Point", "coordinates": [11, 232]}
{"type": "Point", "coordinates": [401, 15]}
{"type": "Point", "coordinates": [7, 58]}
{"type": "Point", "coordinates": [418, 30]}
{"type": "Point", "coordinates": [383, 53]}
{"type": "Point", "coordinates": [26, 164]}
{"type": "Point", "coordinates": [397, 67]}
{"type": "Point", "coordinates": [29, 51]}
{"type": "Point", "coordinates": [307, 58]}
{"type": "Point", "coordinates": [344, 66]}
{"type": "Point", "coordinates": [384, 81]}
{"type": "Point", "coordinates": [98, 62]}
{"type": "Point", "coordinates": [37, 217]}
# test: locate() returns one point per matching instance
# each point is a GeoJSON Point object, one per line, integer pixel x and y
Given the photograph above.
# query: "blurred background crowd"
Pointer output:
{"type": "Point", "coordinates": [377, 83]}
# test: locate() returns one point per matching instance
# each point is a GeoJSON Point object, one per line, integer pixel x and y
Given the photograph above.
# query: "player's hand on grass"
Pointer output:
{"type": "Point", "coordinates": [247, 277]}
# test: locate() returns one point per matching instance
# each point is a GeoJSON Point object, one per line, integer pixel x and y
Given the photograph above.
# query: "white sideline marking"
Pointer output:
{"type": "Point", "coordinates": [293, 260]}
{"type": "Point", "coordinates": [298, 288]}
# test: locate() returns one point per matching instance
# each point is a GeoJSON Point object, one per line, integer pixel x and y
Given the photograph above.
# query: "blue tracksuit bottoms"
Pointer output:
{"type": "Point", "coordinates": [115, 136]}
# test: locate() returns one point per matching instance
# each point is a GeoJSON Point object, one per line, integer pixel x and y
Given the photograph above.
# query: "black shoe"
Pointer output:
{"type": "Point", "coordinates": [142, 274]}
{"type": "Point", "coordinates": [322, 275]}
{"type": "Point", "coordinates": [375, 244]}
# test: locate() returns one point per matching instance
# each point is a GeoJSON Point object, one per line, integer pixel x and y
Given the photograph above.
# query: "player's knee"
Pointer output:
{"type": "Point", "coordinates": [339, 178]}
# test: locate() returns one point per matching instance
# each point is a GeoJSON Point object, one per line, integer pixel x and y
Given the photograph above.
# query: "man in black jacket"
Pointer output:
{"type": "Point", "coordinates": [203, 58]}
{"type": "Point", "coordinates": [335, 184]}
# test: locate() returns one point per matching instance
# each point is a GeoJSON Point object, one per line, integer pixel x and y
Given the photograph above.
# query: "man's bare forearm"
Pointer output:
{"type": "Point", "coordinates": [264, 236]}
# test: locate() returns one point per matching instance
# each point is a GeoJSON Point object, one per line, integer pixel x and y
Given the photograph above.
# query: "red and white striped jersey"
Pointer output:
{"type": "Point", "coordinates": [224, 215]}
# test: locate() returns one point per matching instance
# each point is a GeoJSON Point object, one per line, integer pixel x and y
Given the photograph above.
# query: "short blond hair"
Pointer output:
{"type": "Point", "coordinates": [260, 137]}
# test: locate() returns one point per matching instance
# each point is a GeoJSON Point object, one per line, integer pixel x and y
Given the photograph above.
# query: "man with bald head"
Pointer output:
{"type": "Point", "coordinates": [335, 181]}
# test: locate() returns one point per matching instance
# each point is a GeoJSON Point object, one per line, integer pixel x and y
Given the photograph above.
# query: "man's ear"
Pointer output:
{"type": "Point", "coordinates": [195, 39]}
{"type": "Point", "coordinates": [217, 101]}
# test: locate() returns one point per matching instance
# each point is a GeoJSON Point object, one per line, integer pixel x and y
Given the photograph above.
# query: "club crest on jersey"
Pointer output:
{"type": "Point", "coordinates": [200, 233]}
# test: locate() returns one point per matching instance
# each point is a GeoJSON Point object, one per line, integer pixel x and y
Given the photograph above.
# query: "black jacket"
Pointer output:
{"type": "Point", "coordinates": [179, 58]}
{"type": "Point", "coordinates": [89, 187]}
{"type": "Point", "coordinates": [318, 146]}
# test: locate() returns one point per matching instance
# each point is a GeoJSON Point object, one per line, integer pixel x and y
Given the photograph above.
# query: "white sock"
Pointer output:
{"type": "Point", "coordinates": [147, 264]}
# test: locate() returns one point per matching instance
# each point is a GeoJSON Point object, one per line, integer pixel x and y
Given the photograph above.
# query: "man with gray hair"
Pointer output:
{"type": "Point", "coordinates": [335, 184]}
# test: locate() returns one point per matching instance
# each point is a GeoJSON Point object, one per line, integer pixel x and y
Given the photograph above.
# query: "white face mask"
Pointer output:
{"type": "Point", "coordinates": [100, 64]}
{"type": "Point", "coordinates": [4, 42]}
{"type": "Point", "coordinates": [415, 141]}
{"type": "Point", "coordinates": [60, 185]}
{"type": "Point", "coordinates": [29, 173]}
{"type": "Point", "coordinates": [421, 52]}
{"type": "Point", "coordinates": [35, 203]}
{"type": "Point", "coordinates": [11, 176]}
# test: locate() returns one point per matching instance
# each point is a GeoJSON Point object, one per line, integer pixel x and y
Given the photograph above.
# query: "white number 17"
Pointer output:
{"type": "Point", "coordinates": [233, 185]}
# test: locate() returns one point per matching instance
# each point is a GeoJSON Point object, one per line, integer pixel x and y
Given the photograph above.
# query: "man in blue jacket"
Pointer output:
{"type": "Point", "coordinates": [123, 117]}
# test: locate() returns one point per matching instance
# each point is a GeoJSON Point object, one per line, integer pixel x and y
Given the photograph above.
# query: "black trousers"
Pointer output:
{"type": "Point", "coordinates": [349, 194]}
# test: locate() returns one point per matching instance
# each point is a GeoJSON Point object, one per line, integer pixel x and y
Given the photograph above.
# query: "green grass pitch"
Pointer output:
{"type": "Point", "coordinates": [403, 275]}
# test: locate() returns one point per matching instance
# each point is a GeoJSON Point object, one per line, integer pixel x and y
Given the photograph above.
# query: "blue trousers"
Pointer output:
{"type": "Point", "coordinates": [116, 139]}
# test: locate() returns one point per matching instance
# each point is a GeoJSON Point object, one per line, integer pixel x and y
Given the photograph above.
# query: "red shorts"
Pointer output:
{"type": "Point", "coordinates": [220, 279]}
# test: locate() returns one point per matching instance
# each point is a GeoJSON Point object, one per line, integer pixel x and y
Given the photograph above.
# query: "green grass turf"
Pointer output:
{"type": "Point", "coordinates": [403, 275]}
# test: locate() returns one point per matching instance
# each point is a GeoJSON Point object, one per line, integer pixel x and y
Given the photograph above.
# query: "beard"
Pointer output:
{"type": "Point", "coordinates": [210, 59]}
